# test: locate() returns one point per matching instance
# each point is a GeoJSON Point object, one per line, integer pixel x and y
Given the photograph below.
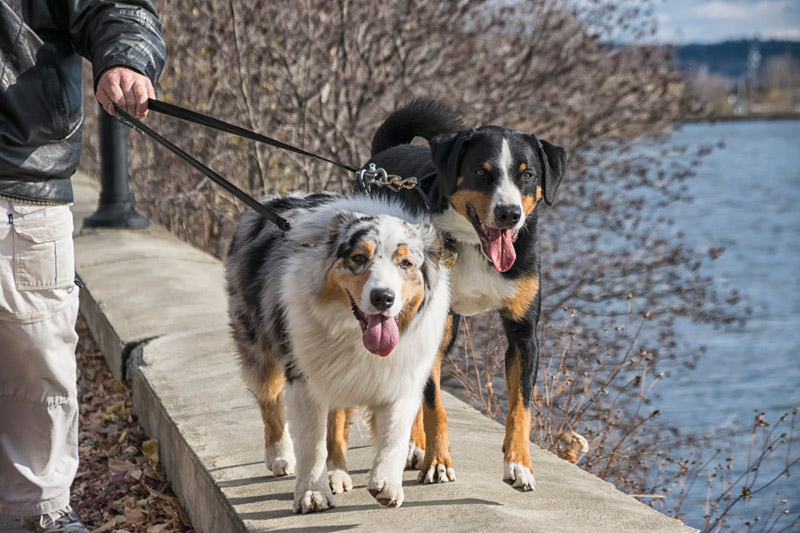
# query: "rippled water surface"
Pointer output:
{"type": "Point", "coordinates": [747, 201]}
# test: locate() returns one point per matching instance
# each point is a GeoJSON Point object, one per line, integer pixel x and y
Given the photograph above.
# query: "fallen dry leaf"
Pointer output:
{"type": "Point", "coordinates": [120, 485]}
{"type": "Point", "coordinates": [120, 467]}
{"type": "Point", "coordinates": [135, 516]}
{"type": "Point", "coordinates": [150, 449]}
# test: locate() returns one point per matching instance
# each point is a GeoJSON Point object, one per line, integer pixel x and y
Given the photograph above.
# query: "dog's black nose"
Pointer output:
{"type": "Point", "coordinates": [381, 299]}
{"type": "Point", "coordinates": [507, 215]}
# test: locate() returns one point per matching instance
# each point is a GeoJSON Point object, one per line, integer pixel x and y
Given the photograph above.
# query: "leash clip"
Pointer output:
{"type": "Point", "coordinates": [372, 175]}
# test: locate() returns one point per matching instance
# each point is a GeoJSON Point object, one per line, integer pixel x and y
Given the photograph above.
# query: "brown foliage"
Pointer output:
{"type": "Point", "coordinates": [120, 485]}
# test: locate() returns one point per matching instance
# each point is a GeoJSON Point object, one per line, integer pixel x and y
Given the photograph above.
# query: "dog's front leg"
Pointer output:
{"type": "Point", "coordinates": [436, 465]}
{"type": "Point", "coordinates": [338, 432]}
{"type": "Point", "coordinates": [522, 362]}
{"type": "Point", "coordinates": [307, 421]}
{"type": "Point", "coordinates": [392, 425]}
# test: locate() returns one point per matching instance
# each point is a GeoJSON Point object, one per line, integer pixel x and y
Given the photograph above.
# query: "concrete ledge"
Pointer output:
{"type": "Point", "coordinates": [156, 301]}
{"type": "Point", "coordinates": [141, 284]}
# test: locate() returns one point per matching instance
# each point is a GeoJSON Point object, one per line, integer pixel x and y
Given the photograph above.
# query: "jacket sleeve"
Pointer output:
{"type": "Point", "coordinates": [111, 34]}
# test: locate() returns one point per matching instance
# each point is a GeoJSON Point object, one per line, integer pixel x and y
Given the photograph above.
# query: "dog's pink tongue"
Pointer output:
{"type": "Point", "coordinates": [500, 247]}
{"type": "Point", "coordinates": [381, 335]}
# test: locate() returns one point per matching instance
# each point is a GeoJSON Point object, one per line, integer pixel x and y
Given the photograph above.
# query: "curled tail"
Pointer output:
{"type": "Point", "coordinates": [422, 117]}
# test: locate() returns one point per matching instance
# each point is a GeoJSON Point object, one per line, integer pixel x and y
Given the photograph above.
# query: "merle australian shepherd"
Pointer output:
{"type": "Point", "coordinates": [483, 190]}
{"type": "Point", "coordinates": [345, 309]}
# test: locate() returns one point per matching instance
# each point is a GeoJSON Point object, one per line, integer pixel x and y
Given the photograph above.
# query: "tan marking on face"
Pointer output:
{"type": "Point", "coordinates": [529, 203]}
{"type": "Point", "coordinates": [437, 440]}
{"type": "Point", "coordinates": [487, 166]}
{"type": "Point", "coordinates": [413, 290]}
{"type": "Point", "coordinates": [338, 434]}
{"type": "Point", "coordinates": [482, 203]}
{"type": "Point", "coordinates": [516, 444]}
{"type": "Point", "coordinates": [367, 248]}
{"type": "Point", "coordinates": [459, 181]}
{"type": "Point", "coordinates": [523, 167]}
{"type": "Point", "coordinates": [404, 254]}
{"type": "Point", "coordinates": [340, 280]}
{"type": "Point", "coordinates": [401, 253]}
{"type": "Point", "coordinates": [332, 292]}
{"type": "Point", "coordinates": [270, 402]}
{"type": "Point", "coordinates": [517, 306]}
{"type": "Point", "coordinates": [413, 295]}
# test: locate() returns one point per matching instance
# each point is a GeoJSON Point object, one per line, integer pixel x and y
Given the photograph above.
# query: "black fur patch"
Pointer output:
{"type": "Point", "coordinates": [429, 394]}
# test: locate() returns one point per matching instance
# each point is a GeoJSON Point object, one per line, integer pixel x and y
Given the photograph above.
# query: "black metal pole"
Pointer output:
{"type": "Point", "coordinates": [115, 209]}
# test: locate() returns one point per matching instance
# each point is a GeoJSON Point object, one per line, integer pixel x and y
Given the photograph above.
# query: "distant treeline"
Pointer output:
{"type": "Point", "coordinates": [729, 58]}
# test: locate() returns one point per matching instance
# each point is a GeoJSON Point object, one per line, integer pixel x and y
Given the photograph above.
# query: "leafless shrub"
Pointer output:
{"type": "Point", "coordinates": [592, 407]}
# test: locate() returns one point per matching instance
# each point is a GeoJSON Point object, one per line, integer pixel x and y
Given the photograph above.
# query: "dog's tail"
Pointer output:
{"type": "Point", "coordinates": [422, 117]}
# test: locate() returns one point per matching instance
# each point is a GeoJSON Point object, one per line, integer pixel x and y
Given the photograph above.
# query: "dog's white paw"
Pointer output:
{"type": "Point", "coordinates": [437, 474]}
{"type": "Point", "coordinates": [388, 494]}
{"type": "Point", "coordinates": [415, 457]}
{"type": "Point", "coordinates": [312, 501]}
{"type": "Point", "coordinates": [339, 480]}
{"type": "Point", "coordinates": [519, 476]}
{"type": "Point", "coordinates": [279, 457]}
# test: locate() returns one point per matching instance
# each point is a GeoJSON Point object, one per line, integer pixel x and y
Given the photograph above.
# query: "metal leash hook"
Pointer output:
{"type": "Point", "coordinates": [367, 177]}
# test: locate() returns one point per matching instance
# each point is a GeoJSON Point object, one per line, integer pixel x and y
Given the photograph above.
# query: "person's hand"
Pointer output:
{"type": "Point", "coordinates": [126, 88]}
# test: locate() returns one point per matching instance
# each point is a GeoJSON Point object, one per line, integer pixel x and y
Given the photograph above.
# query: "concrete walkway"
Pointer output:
{"type": "Point", "coordinates": [158, 311]}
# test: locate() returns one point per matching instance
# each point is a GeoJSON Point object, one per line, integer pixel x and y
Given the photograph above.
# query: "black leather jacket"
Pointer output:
{"type": "Point", "coordinates": [41, 89]}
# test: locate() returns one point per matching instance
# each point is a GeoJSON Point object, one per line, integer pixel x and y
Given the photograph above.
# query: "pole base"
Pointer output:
{"type": "Point", "coordinates": [116, 215]}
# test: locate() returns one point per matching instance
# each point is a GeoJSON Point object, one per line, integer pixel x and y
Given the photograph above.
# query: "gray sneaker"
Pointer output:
{"type": "Point", "coordinates": [63, 521]}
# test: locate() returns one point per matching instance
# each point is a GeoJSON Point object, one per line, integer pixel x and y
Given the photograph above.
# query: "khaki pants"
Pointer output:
{"type": "Point", "coordinates": [38, 389]}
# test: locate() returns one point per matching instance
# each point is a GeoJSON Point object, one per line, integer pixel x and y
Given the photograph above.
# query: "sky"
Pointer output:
{"type": "Point", "coordinates": [706, 21]}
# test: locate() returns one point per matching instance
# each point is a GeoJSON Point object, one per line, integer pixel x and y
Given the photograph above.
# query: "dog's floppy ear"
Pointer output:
{"type": "Point", "coordinates": [447, 151]}
{"type": "Point", "coordinates": [554, 160]}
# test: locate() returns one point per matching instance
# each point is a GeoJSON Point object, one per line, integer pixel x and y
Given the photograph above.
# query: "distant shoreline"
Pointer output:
{"type": "Point", "coordinates": [789, 115]}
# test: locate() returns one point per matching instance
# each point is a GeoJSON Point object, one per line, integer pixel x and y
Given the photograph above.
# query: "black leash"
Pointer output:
{"type": "Point", "coordinates": [221, 125]}
{"type": "Point", "coordinates": [366, 176]}
{"type": "Point", "coordinates": [137, 125]}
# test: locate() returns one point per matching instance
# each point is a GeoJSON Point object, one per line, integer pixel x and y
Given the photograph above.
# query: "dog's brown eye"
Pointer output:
{"type": "Point", "coordinates": [527, 175]}
{"type": "Point", "coordinates": [359, 259]}
{"type": "Point", "coordinates": [480, 172]}
{"type": "Point", "coordinates": [405, 264]}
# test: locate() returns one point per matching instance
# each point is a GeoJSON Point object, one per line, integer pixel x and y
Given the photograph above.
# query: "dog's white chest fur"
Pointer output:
{"type": "Point", "coordinates": [476, 285]}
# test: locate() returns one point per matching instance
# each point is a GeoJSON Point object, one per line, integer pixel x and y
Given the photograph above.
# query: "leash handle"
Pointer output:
{"type": "Point", "coordinates": [217, 124]}
{"type": "Point", "coordinates": [137, 125]}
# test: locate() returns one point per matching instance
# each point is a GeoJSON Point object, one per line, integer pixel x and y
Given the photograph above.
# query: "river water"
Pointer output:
{"type": "Point", "coordinates": [747, 201]}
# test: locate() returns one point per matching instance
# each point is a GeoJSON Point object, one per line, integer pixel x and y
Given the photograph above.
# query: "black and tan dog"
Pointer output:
{"type": "Point", "coordinates": [488, 182]}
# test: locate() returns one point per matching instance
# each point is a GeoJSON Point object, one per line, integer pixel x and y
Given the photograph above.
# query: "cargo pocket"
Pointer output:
{"type": "Point", "coordinates": [43, 254]}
